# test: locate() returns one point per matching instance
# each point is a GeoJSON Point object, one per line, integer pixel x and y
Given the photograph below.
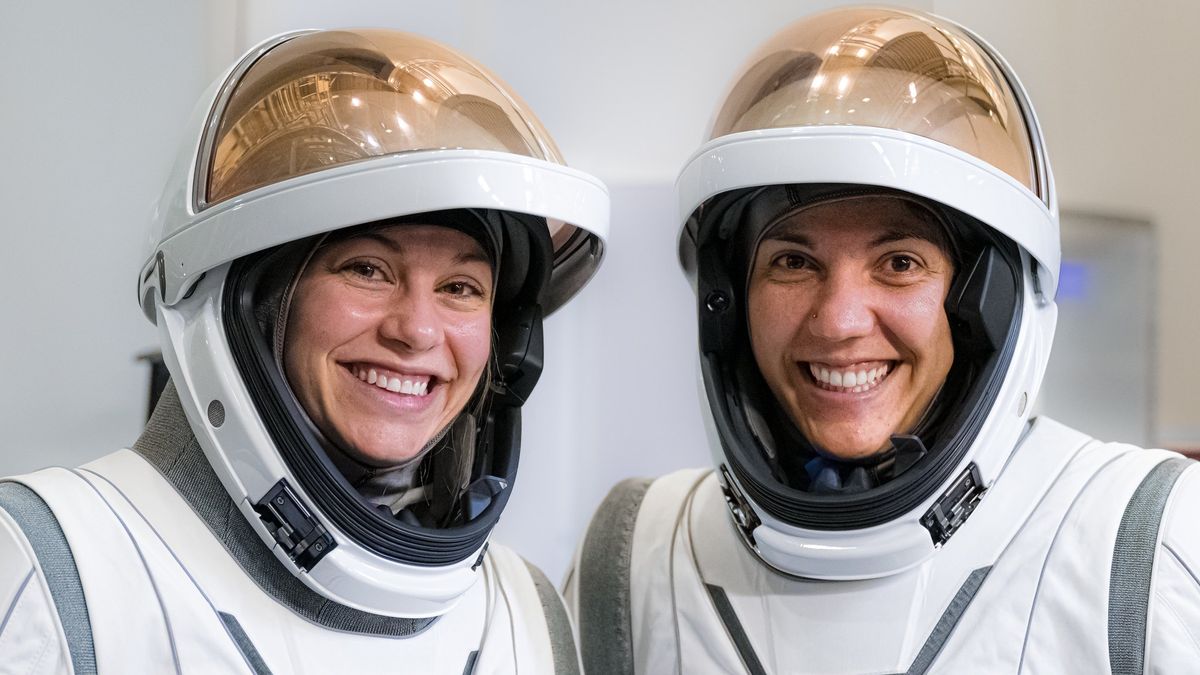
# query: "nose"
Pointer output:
{"type": "Point", "coordinates": [412, 321]}
{"type": "Point", "coordinates": [842, 310]}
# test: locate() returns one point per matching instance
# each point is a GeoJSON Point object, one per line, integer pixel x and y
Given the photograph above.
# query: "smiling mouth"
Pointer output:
{"type": "Point", "coordinates": [854, 379]}
{"type": "Point", "coordinates": [399, 383]}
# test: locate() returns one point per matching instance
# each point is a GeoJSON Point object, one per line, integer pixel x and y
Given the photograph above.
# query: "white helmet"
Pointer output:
{"type": "Point", "coordinates": [868, 101]}
{"type": "Point", "coordinates": [312, 132]}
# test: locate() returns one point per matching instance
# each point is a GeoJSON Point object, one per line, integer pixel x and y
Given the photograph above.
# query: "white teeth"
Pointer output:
{"type": "Point", "coordinates": [856, 381]}
{"type": "Point", "coordinates": [412, 385]}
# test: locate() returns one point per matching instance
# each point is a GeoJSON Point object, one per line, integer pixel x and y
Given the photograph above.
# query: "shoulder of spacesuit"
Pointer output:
{"type": "Point", "coordinates": [618, 557]}
{"type": "Point", "coordinates": [535, 607]}
{"type": "Point", "coordinates": [1047, 432]}
{"type": "Point", "coordinates": [1173, 635]}
{"type": "Point", "coordinates": [41, 598]}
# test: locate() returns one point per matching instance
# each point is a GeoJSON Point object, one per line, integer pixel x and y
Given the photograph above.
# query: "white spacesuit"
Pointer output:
{"type": "Point", "coordinates": [983, 541]}
{"type": "Point", "coordinates": [226, 540]}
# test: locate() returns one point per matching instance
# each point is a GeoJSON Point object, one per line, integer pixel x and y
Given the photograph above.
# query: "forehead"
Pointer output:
{"type": "Point", "coordinates": [874, 220]}
{"type": "Point", "coordinates": [414, 239]}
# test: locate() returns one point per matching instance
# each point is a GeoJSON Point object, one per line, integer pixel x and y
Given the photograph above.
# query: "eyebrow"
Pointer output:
{"type": "Point", "coordinates": [894, 233]}
{"type": "Point", "coordinates": [471, 256]}
{"type": "Point", "coordinates": [789, 235]}
{"type": "Point", "coordinates": [900, 233]}
{"type": "Point", "coordinates": [375, 236]}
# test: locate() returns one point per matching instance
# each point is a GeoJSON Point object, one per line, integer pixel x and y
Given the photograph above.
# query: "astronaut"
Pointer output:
{"type": "Point", "coordinates": [872, 236]}
{"type": "Point", "coordinates": [349, 275]}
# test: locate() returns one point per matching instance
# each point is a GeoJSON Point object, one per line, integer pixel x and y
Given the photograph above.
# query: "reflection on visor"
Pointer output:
{"type": "Point", "coordinates": [889, 69]}
{"type": "Point", "coordinates": [322, 100]}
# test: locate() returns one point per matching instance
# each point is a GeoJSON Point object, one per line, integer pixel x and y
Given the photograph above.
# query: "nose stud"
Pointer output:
{"type": "Point", "coordinates": [814, 315]}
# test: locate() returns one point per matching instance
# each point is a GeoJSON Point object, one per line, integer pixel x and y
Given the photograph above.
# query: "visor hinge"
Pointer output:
{"type": "Point", "coordinates": [955, 505]}
{"type": "Point", "coordinates": [743, 514]}
{"type": "Point", "coordinates": [300, 535]}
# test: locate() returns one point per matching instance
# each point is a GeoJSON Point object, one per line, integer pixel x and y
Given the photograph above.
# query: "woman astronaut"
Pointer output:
{"type": "Point", "coordinates": [351, 267]}
{"type": "Point", "coordinates": [872, 235]}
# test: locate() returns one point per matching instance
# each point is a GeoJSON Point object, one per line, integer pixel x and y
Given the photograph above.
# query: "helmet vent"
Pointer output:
{"type": "Point", "coordinates": [216, 413]}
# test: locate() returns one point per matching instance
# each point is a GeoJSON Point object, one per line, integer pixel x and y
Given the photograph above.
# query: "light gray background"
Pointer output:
{"type": "Point", "coordinates": [96, 92]}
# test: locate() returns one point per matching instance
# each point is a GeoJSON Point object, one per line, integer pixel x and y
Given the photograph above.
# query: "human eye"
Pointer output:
{"type": "Point", "coordinates": [901, 263]}
{"type": "Point", "coordinates": [462, 289]}
{"type": "Point", "coordinates": [364, 270]}
{"type": "Point", "coordinates": [902, 268]}
{"type": "Point", "coordinates": [791, 261]}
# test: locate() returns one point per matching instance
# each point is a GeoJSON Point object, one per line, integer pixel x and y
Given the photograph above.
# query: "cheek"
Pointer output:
{"type": "Point", "coordinates": [920, 317]}
{"type": "Point", "coordinates": [470, 339]}
{"type": "Point", "coordinates": [773, 318]}
{"type": "Point", "coordinates": [324, 315]}
{"type": "Point", "coordinates": [321, 318]}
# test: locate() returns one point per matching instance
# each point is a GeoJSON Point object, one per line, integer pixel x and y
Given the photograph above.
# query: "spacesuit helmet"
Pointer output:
{"type": "Point", "coordinates": [310, 136]}
{"type": "Point", "coordinates": [877, 103]}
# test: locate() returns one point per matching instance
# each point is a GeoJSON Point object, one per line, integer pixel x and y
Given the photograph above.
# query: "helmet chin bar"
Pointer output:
{"type": "Point", "coordinates": [984, 310]}
{"type": "Point", "coordinates": [518, 359]}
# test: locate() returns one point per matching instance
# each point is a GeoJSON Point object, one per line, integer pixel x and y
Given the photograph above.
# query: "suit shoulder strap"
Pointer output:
{"type": "Point", "coordinates": [605, 623]}
{"type": "Point", "coordinates": [44, 534]}
{"type": "Point", "coordinates": [558, 625]}
{"type": "Point", "coordinates": [1133, 565]}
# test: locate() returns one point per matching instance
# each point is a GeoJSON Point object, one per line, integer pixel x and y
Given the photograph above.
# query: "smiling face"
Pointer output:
{"type": "Point", "coordinates": [388, 334]}
{"type": "Point", "coordinates": [847, 320]}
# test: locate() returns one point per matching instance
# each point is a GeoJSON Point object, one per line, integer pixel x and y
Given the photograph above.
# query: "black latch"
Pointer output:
{"type": "Point", "coordinates": [479, 560]}
{"type": "Point", "coordinates": [950, 511]}
{"type": "Point", "coordinates": [744, 517]}
{"type": "Point", "coordinates": [301, 536]}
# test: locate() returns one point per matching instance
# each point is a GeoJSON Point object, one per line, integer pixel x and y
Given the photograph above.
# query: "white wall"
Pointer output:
{"type": "Point", "coordinates": [1115, 87]}
{"type": "Point", "coordinates": [92, 102]}
{"type": "Point", "coordinates": [96, 101]}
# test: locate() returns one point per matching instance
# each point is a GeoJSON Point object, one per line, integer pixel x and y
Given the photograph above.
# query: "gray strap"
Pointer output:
{"type": "Point", "coordinates": [733, 626]}
{"type": "Point", "coordinates": [249, 651]}
{"type": "Point", "coordinates": [472, 658]}
{"type": "Point", "coordinates": [562, 639]}
{"type": "Point", "coordinates": [1133, 564]}
{"type": "Point", "coordinates": [945, 625]}
{"type": "Point", "coordinates": [605, 621]}
{"type": "Point", "coordinates": [45, 535]}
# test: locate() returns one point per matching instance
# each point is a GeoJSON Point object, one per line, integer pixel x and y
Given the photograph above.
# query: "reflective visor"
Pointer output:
{"type": "Point", "coordinates": [885, 68]}
{"type": "Point", "coordinates": [320, 100]}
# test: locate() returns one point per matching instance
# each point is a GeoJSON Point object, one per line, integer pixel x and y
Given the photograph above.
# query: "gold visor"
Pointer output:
{"type": "Point", "coordinates": [885, 68]}
{"type": "Point", "coordinates": [321, 100]}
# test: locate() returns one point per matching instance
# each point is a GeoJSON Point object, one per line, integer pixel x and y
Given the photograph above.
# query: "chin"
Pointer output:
{"type": "Point", "coordinates": [852, 452]}
{"type": "Point", "coordinates": [384, 455]}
